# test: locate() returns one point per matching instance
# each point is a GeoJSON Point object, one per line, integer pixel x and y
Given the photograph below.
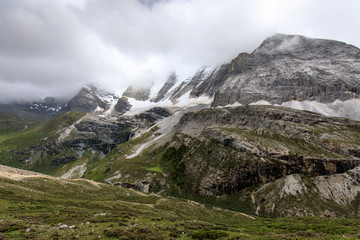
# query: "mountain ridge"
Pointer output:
{"type": "Point", "coordinates": [282, 69]}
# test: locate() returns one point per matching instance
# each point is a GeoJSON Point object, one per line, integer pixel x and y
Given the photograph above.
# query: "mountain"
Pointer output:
{"type": "Point", "coordinates": [282, 68]}
{"type": "Point", "coordinates": [170, 82]}
{"type": "Point", "coordinates": [43, 109]}
{"type": "Point", "coordinates": [140, 94]}
{"type": "Point", "coordinates": [289, 70]}
{"type": "Point", "coordinates": [91, 98]}
{"type": "Point", "coordinates": [256, 134]}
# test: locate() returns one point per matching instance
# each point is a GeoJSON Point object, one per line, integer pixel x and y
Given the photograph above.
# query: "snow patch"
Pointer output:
{"type": "Point", "coordinates": [77, 171]}
{"type": "Point", "coordinates": [261, 102]}
{"type": "Point", "coordinates": [349, 108]}
{"type": "Point", "coordinates": [98, 109]}
{"type": "Point", "coordinates": [235, 104]}
{"type": "Point", "coordinates": [187, 101]}
{"type": "Point", "coordinates": [184, 101]}
{"type": "Point", "coordinates": [141, 106]}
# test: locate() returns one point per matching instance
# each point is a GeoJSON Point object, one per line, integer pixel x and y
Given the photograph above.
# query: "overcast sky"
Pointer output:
{"type": "Point", "coordinates": [52, 48]}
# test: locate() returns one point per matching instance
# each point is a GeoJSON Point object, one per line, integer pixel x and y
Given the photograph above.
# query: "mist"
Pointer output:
{"type": "Point", "coordinates": [53, 48]}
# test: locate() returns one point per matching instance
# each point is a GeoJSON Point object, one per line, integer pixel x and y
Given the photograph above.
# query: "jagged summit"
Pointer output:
{"type": "Point", "coordinates": [91, 98]}
{"type": "Point", "coordinates": [298, 44]}
{"type": "Point", "coordinates": [283, 68]}
{"type": "Point", "coordinates": [170, 82]}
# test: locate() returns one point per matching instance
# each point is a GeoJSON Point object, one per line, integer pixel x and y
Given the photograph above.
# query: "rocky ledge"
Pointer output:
{"type": "Point", "coordinates": [233, 148]}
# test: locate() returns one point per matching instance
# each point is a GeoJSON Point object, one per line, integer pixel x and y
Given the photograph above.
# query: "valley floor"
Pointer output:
{"type": "Point", "coordinates": [35, 206]}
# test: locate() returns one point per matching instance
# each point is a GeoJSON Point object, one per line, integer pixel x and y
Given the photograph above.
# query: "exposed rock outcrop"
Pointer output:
{"type": "Point", "coordinates": [154, 114]}
{"type": "Point", "coordinates": [294, 195]}
{"type": "Point", "coordinates": [140, 94]}
{"type": "Point", "coordinates": [123, 105]}
{"type": "Point", "coordinates": [235, 148]}
{"type": "Point", "coordinates": [90, 98]}
{"type": "Point", "coordinates": [165, 89]}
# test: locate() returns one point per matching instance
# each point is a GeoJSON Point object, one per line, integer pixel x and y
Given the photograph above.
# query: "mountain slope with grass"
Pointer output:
{"type": "Point", "coordinates": [44, 207]}
{"type": "Point", "coordinates": [231, 154]}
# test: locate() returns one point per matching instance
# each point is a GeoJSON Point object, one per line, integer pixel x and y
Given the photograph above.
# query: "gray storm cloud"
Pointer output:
{"type": "Point", "coordinates": [53, 48]}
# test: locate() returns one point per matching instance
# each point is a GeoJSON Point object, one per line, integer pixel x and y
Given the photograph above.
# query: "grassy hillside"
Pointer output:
{"type": "Point", "coordinates": [49, 208]}
{"type": "Point", "coordinates": [19, 144]}
{"type": "Point", "coordinates": [132, 169]}
{"type": "Point", "coordinates": [12, 123]}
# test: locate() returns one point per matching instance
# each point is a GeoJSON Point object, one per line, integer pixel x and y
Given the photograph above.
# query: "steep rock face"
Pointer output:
{"type": "Point", "coordinates": [165, 89]}
{"type": "Point", "coordinates": [204, 80]}
{"type": "Point", "coordinates": [235, 148]}
{"type": "Point", "coordinates": [90, 98]}
{"type": "Point", "coordinates": [122, 105]}
{"type": "Point", "coordinates": [100, 134]}
{"type": "Point", "coordinates": [294, 195]}
{"type": "Point", "coordinates": [140, 94]}
{"type": "Point", "coordinates": [287, 67]}
{"type": "Point", "coordinates": [154, 114]}
{"type": "Point", "coordinates": [282, 68]}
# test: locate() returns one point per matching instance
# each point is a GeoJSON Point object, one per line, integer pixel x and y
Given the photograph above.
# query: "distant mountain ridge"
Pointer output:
{"type": "Point", "coordinates": [282, 69]}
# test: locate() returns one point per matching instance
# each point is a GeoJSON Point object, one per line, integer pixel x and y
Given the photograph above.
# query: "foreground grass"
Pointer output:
{"type": "Point", "coordinates": [48, 208]}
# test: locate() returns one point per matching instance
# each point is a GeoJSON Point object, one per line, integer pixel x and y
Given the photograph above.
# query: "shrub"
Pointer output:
{"type": "Point", "coordinates": [208, 234]}
{"type": "Point", "coordinates": [172, 162]}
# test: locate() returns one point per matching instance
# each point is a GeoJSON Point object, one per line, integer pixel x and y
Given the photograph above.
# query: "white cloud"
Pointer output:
{"type": "Point", "coordinates": [55, 47]}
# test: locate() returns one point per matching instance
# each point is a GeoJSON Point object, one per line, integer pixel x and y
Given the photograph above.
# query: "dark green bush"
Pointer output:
{"type": "Point", "coordinates": [208, 234]}
{"type": "Point", "coordinates": [172, 162]}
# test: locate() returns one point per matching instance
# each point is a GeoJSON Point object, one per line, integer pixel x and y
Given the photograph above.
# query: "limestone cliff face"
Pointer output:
{"type": "Point", "coordinates": [282, 68]}
{"type": "Point", "coordinates": [296, 195]}
{"type": "Point", "coordinates": [280, 159]}
{"type": "Point", "coordinates": [235, 148]}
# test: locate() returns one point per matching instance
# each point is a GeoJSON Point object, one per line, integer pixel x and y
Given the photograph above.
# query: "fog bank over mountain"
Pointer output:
{"type": "Point", "coordinates": [53, 48]}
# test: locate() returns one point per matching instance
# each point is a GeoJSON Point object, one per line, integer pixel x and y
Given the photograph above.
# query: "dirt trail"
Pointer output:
{"type": "Point", "coordinates": [16, 174]}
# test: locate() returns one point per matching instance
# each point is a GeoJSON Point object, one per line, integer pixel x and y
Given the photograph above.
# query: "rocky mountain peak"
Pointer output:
{"type": "Point", "coordinates": [90, 98]}
{"type": "Point", "coordinates": [281, 43]}
{"type": "Point", "coordinates": [283, 68]}
{"type": "Point", "coordinates": [138, 93]}
{"type": "Point", "coordinates": [42, 109]}
{"type": "Point", "coordinates": [305, 48]}
{"type": "Point", "coordinates": [170, 82]}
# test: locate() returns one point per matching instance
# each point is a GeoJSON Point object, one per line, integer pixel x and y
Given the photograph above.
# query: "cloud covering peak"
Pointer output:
{"type": "Point", "coordinates": [52, 48]}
